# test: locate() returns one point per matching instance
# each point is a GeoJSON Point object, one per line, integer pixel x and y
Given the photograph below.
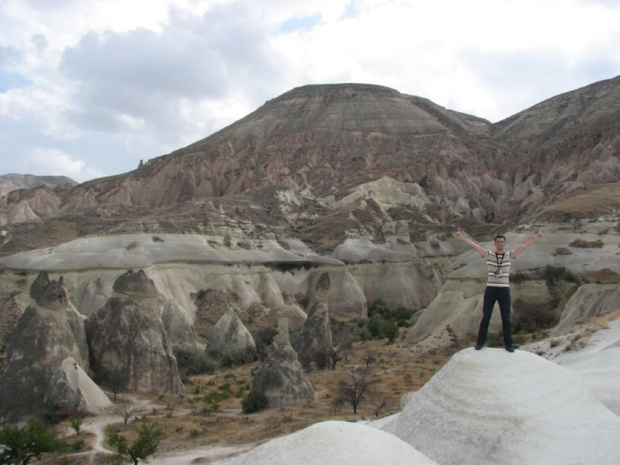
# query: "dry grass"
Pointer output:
{"type": "Point", "coordinates": [395, 372]}
{"type": "Point", "coordinates": [588, 203]}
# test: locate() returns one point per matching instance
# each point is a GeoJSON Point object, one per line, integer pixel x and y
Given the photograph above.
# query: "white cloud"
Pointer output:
{"type": "Point", "coordinates": [57, 163]}
{"type": "Point", "coordinates": [114, 81]}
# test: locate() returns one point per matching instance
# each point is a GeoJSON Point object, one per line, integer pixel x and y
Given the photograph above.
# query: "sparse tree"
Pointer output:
{"type": "Point", "coordinates": [117, 380]}
{"type": "Point", "coordinates": [145, 445]}
{"type": "Point", "coordinates": [335, 355]}
{"type": "Point", "coordinates": [353, 390]}
{"type": "Point", "coordinates": [369, 358]}
{"type": "Point", "coordinates": [342, 342]}
{"type": "Point", "coordinates": [379, 403]}
{"type": "Point", "coordinates": [127, 409]}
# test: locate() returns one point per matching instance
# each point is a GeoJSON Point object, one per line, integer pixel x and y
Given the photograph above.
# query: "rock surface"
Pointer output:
{"type": "Point", "coordinates": [281, 377]}
{"type": "Point", "coordinates": [179, 327]}
{"type": "Point", "coordinates": [315, 340]}
{"type": "Point", "coordinates": [333, 442]}
{"type": "Point", "coordinates": [11, 182]}
{"type": "Point", "coordinates": [491, 406]}
{"type": "Point", "coordinates": [44, 337]}
{"type": "Point", "coordinates": [128, 343]}
{"type": "Point", "coordinates": [70, 388]}
{"type": "Point", "coordinates": [229, 336]}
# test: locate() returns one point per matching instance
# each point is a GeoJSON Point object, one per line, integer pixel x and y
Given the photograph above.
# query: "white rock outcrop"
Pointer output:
{"type": "Point", "coordinates": [491, 406]}
{"type": "Point", "coordinates": [71, 388]}
{"type": "Point", "coordinates": [333, 442]}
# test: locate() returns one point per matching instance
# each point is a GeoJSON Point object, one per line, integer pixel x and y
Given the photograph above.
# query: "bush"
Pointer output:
{"type": "Point", "coordinates": [554, 274]}
{"type": "Point", "coordinates": [238, 357]}
{"type": "Point", "coordinates": [145, 445]}
{"type": "Point", "coordinates": [389, 329]}
{"type": "Point", "coordinates": [20, 445]}
{"type": "Point", "coordinates": [254, 402]}
{"type": "Point", "coordinates": [193, 361]}
{"type": "Point", "coordinates": [598, 244]}
{"type": "Point", "coordinates": [374, 327]}
{"type": "Point", "coordinates": [263, 339]}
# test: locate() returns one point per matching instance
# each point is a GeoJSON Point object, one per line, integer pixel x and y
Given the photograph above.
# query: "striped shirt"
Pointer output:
{"type": "Point", "coordinates": [498, 268]}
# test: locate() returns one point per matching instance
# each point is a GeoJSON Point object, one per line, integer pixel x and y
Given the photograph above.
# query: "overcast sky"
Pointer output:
{"type": "Point", "coordinates": [88, 88]}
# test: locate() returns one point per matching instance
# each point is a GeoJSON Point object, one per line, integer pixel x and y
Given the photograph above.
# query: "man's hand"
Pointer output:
{"type": "Point", "coordinates": [458, 234]}
{"type": "Point", "coordinates": [539, 235]}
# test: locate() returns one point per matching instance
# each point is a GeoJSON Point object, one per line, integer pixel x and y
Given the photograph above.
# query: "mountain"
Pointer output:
{"type": "Point", "coordinates": [354, 156]}
{"type": "Point", "coordinates": [12, 182]}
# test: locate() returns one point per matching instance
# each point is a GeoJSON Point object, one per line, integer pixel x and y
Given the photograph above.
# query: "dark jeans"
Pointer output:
{"type": "Point", "coordinates": [502, 296]}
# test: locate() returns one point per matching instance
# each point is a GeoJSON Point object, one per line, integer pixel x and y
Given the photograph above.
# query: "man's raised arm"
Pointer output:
{"type": "Point", "coordinates": [470, 242]}
{"type": "Point", "coordinates": [519, 250]}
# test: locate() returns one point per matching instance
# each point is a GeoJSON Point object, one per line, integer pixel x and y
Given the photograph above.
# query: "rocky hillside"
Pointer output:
{"type": "Point", "coordinates": [12, 182]}
{"type": "Point", "coordinates": [356, 184]}
{"type": "Point", "coordinates": [325, 162]}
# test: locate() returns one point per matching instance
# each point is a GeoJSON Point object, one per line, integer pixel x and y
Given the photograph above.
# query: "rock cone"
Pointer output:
{"type": "Point", "coordinates": [128, 344]}
{"type": "Point", "coordinates": [281, 377]}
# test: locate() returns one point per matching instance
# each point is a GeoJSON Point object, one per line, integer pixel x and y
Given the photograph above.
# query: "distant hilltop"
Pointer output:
{"type": "Point", "coordinates": [11, 182]}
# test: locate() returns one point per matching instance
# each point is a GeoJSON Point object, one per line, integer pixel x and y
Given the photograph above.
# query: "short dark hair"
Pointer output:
{"type": "Point", "coordinates": [500, 236]}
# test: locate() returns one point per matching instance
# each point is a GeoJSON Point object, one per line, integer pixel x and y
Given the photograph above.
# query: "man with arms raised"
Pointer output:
{"type": "Point", "coordinates": [498, 283]}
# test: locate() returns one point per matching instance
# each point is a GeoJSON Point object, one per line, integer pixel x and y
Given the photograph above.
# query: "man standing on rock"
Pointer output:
{"type": "Point", "coordinates": [498, 284]}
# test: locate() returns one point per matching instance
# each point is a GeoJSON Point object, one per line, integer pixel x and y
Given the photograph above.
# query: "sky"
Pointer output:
{"type": "Point", "coordinates": [88, 88]}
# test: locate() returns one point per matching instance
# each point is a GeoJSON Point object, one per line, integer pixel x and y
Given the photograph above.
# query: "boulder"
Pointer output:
{"type": "Point", "coordinates": [135, 284]}
{"type": "Point", "coordinates": [281, 377]}
{"type": "Point", "coordinates": [230, 337]}
{"type": "Point", "coordinates": [128, 342]}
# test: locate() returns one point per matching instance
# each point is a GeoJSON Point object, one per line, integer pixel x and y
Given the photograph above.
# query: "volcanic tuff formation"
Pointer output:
{"type": "Point", "coordinates": [129, 346]}
{"type": "Point", "coordinates": [357, 182]}
{"type": "Point", "coordinates": [491, 406]}
{"type": "Point", "coordinates": [48, 332]}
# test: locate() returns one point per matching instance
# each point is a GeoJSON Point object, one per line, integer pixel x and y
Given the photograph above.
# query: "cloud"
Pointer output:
{"type": "Point", "coordinates": [108, 82]}
{"type": "Point", "coordinates": [58, 163]}
{"type": "Point", "coordinates": [141, 80]}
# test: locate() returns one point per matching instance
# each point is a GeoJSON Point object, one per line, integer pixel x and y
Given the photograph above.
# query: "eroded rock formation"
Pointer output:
{"type": "Point", "coordinates": [128, 342]}
{"type": "Point", "coordinates": [315, 340]}
{"type": "Point", "coordinates": [229, 337]}
{"type": "Point", "coordinates": [47, 333]}
{"type": "Point", "coordinates": [281, 377]}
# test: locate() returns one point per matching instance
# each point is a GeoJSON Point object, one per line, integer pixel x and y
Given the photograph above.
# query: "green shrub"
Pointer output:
{"type": "Point", "coordinates": [389, 329]}
{"type": "Point", "coordinates": [19, 445]}
{"type": "Point", "coordinates": [374, 327]}
{"type": "Point", "coordinates": [193, 361]}
{"type": "Point", "coordinates": [238, 358]}
{"type": "Point", "coordinates": [254, 402]}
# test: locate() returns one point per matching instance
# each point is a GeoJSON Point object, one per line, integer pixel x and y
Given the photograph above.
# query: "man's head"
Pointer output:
{"type": "Point", "coordinates": [500, 243]}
